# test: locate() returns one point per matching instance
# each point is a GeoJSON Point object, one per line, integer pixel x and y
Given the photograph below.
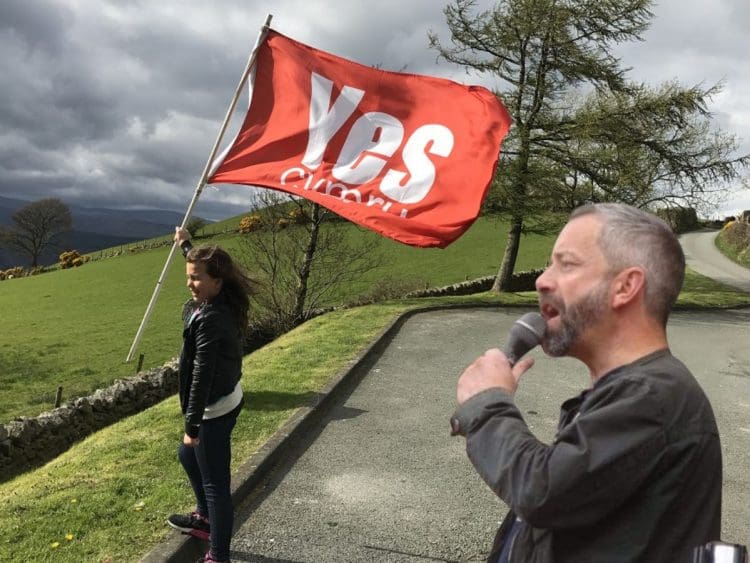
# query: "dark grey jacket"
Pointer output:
{"type": "Point", "coordinates": [210, 360]}
{"type": "Point", "coordinates": [633, 475]}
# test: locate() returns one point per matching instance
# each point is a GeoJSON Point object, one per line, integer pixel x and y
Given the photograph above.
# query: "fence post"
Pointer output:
{"type": "Point", "coordinates": [58, 397]}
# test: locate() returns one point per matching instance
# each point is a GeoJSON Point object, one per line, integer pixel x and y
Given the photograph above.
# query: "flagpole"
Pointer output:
{"type": "Point", "coordinates": [201, 184]}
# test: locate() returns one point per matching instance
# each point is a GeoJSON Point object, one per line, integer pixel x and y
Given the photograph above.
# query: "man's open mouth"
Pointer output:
{"type": "Point", "coordinates": [548, 311]}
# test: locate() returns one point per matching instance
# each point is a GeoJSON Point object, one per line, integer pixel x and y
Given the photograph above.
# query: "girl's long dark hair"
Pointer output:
{"type": "Point", "coordinates": [237, 285]}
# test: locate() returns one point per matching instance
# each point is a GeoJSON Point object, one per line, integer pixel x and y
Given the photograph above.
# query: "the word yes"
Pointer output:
{"type": "Point", "coordinates": [372, 140]}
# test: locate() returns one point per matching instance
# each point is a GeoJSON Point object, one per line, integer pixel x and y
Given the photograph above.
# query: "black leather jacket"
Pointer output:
{"type": "Point", "coordinates": [634, 473]}
{"type": "Point", "coordinates": [210, 359]}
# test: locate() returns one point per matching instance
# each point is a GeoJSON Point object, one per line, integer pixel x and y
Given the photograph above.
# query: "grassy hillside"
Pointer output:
{"type": "Point", "coordinates": [73, 328]}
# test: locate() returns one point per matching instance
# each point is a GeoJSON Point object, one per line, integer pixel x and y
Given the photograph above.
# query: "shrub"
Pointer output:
{"type": "Point", "coordinates": [11, 273]}
{"type": "Point", "coordinates": [250, 223]}
{"type": "Point", "coordinates": [298, 217]}
{"type": "Point", "coordinates": [681, 219]}
{"type": "Point", "coordinates": [737, 234]}
{"type": "Point", "coordinates": [734, 240]}
{"type": "Point", "coordinates": [194, 225]}
{"type": "Point", "coordinates": [72, 259]}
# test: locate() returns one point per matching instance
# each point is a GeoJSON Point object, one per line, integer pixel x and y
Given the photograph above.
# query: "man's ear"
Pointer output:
{"type": "Point", "coordinates": [627, 285]}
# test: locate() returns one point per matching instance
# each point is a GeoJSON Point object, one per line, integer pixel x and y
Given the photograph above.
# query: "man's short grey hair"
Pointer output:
{"type": "Point", "coordinates": [633, 237]}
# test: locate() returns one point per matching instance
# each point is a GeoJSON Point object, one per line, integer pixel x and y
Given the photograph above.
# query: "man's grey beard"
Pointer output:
{"type": "Point", "coordinates": [576, 318]}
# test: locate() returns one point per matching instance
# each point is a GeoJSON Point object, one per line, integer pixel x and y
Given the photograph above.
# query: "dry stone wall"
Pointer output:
{"type": "Point", "coordinates": [522, 281]}
{"type": "Point", "coordinates": [28, 442]}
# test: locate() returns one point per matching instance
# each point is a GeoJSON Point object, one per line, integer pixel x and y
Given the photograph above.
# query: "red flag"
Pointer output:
{"type": "Point", "coordinates": [410, 157]}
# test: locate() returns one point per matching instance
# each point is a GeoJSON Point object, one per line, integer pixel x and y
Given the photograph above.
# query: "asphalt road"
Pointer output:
{"type": "Point", "coordinates": [701, 255]}
{"type": "Point", "coordinates": [380, 479]}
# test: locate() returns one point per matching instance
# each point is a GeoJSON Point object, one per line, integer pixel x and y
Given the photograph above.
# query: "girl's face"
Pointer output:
{"type": "Point", "coordinates": [202, 287]}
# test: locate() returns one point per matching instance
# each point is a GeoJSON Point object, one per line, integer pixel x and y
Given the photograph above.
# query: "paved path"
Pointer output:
{"type": "Point", "coordinates": [380, 479]}
{"type": "Point", "coordinates": [703, 257]}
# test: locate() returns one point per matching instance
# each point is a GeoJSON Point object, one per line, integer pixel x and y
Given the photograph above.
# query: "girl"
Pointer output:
{"type": "Point", "coordinates": [209, 388]}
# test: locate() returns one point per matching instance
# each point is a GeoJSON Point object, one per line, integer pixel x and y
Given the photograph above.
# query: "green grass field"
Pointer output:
{"type": "Point", "coordinates": [73, 328]}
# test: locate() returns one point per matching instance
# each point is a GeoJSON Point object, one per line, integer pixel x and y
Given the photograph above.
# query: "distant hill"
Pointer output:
{"type": "Point", "coordinates": [94, 228]}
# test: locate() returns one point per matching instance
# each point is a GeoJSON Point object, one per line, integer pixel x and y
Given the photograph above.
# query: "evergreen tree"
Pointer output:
{"type": "Point", "coordinates": [581, 131]}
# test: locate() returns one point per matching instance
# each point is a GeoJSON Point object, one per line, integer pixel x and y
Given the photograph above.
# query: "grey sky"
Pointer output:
{"type": "Point", "coordinates": [116, 104]}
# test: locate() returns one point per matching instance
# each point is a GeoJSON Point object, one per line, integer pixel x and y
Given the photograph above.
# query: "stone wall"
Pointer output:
{"type": "Point", "coordinates": [29, 442]}
{"type": "Point", "coordinates": [522, 281]}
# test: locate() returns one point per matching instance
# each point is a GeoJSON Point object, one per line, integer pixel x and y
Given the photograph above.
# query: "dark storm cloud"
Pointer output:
{"type": "Point", "coordinates": [39, 25]}
{"type": "Point", "coordinates": [109, 103]}
{"type": "Point", "coordinates": [81, 116]}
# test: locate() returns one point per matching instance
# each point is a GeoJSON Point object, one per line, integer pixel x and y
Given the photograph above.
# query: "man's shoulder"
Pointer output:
{"type": "Point", "coordinates": [677, 393]}
{"type": "Point", "coordinates": [666, 371]}
{"type": "Point", "coordinates": [657, 368]}
{"type": "Point", "coordinates": [652, 382]}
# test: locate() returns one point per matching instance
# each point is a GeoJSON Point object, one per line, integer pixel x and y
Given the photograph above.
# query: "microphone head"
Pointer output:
{"type": "Point", "coordinates": [526, 333]}
{"type": "Point", "coordinates": [535, 323]}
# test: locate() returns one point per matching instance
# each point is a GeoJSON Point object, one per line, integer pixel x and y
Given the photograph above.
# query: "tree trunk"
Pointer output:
{"type": "Point", "coordinates": [518, 210]}
{"type": "Point", "coordinates": [304, 271]}
{"type": "Point", "coordinates": [505, 274]}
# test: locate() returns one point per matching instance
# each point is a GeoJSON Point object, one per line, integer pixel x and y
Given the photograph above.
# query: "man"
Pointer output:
{"type": "Point", "coordinates": [634, 471]}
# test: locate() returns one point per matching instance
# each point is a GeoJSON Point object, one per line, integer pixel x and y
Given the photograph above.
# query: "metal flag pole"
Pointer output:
{"type": "Point", "coordinates": [201, 184]}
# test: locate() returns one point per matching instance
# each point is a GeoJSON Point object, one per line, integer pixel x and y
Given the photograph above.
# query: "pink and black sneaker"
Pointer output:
{"type": "Point", "coordinates": [193, 524]}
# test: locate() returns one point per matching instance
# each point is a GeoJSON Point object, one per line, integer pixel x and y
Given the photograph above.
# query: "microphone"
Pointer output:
{"type": "Point", "coordinates": [525, 334]}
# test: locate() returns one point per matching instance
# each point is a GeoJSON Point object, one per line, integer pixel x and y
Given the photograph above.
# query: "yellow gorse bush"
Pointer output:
{"type": "Point", "coordinates": [72, 259]}
{"type": "Point", "coordinates": [250, 223]}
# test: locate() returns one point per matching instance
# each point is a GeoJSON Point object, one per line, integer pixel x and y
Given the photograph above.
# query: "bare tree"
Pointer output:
{"type": "Point", "coordinates": [303, 253]}
{"type": "Point", "coordinates": [38, 226]}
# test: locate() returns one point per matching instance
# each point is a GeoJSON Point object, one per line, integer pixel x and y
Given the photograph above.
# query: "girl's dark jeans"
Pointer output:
{"type": "Point", "coordinates": [207, 467]}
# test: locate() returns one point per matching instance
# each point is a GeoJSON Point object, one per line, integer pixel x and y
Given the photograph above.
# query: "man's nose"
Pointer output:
{"type": "Point", "coordinates": [543, 282]}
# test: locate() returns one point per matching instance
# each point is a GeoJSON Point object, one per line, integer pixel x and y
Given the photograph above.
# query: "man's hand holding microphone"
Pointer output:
{"type": "Point", "coordinates": [504, 368]}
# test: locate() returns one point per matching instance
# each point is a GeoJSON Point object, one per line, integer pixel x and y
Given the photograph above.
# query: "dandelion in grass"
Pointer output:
{"type": "Point", "coordinates": [69, 537]}
{"type": "Point", "coordinates": [55, 544]}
